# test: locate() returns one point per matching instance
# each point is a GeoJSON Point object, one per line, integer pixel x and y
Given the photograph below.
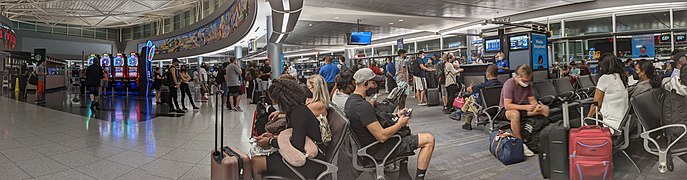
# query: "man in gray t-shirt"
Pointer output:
{"type": "Point", "coordinates": [233, 84]}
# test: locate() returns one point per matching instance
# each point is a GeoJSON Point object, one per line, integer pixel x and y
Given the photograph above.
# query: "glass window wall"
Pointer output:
{"type": "Point", "coordinates": [383, 51]}
{"type": "Point", "coordinates": [589, 26]}
{"type": "Point", "coordinates": [454, 42]}
{"type": "Point", "coordinates": [555, 28]}
{"type": "Point", "coordinates": [680, 19]}
{"type": "Point", "coordinates": [644, 21]}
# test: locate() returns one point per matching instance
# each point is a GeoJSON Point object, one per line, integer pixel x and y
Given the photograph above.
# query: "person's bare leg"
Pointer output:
{"type": "Point", "coordinates": [426, 144]}
{"type": "Point", "coordinates": [514, 117]}
{"type": "Point", "coordinates": [424, 96]}
{"type": "Point", "coordinates": [259, 164]}
{"type": "Point", "coordinates": [232, 103]}
{"type": "Point", "coordinates": [238, 101]}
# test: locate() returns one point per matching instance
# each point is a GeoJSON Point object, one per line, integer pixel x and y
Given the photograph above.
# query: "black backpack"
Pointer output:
{"type": "Point", "coordinates": [441, 76]}
{"type": "Point", "coordinates": [414, 67]}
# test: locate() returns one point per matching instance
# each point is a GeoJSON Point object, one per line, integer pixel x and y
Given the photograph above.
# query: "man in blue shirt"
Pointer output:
{"type": "Point", "coordinates": [329, 72]}
{"type": "Point", "coordinates": [419, 79]}
{"type": "Point", "coordinates": [390, 75]}
{"type": "Point", "coordinates": [491, 75]}
{"type": "Point", "coordinates": [502, 63]}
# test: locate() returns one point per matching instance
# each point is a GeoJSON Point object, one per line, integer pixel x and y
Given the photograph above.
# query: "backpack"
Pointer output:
{"type": "Point", "coordinates": [414, 67]}
{"type": "Point", "coordinates": [220, 77]}
{"type": "Point", "coordinates": [441, 76]}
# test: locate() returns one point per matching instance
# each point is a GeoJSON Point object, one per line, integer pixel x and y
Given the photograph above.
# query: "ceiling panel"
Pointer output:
{"type": "Point", "coordinates": [332, 33]}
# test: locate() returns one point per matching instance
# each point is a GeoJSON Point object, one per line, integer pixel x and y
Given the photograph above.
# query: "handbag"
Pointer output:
{"type": "Point", "coordinates": [459, 102]}
{"type": "Point", "coordinates": [325, 132]}
{"type": "Point", "coordinates": [276, 126]}
{"type": "Point", "coordinates": [506, 148]}
{"type": "Point", "coordinates": [292, 155]}
{"type": "Point", "coordinates": [33, 79]}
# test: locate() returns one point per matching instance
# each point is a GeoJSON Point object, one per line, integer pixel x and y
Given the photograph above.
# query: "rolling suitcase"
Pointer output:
{"type": "Point", "coordinates": [591, 153]}
{"type": "Point", "coordinates": [553, 148]}
{"type": "Point", "coordinates": [433, 96]}
{"type": "Point", "coordinates": [227, 163]}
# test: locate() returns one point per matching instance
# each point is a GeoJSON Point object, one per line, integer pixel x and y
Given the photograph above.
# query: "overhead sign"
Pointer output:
{"type": "Point", "coordinates": [643, 46]}
{"type": "Point", "coordinates": [399, 43]}
{"type": "Point", "coordinates": [8, 38]}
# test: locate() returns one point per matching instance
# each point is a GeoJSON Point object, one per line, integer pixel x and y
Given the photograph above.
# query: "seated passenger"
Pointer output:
{"type": "Point", "coordinates": [291, 99]}
{"type": "Point", "coordinates": [319, 102]}
{"type": "Point", "coordinates": [492, 80]}
{"type": "Point", "coordinates": [344, 87]}
{"type": "Point", "coordinates": [611, 91]}
{"type": "Point", "coordinates": [367, 129]}
{"type": "Point", "coordinates": [647, 76]}
{"type": "Point", "coordinates": [518, 101]}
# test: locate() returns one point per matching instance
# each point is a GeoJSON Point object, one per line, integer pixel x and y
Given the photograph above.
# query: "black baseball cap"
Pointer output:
{"type": "Point", "coordinates": [175, 60]}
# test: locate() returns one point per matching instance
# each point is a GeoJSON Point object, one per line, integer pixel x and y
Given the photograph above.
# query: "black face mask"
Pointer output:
{"type": "Point", "coordinates": [370, 92]}
{"type": "Point", "coordinates": [635, 76]}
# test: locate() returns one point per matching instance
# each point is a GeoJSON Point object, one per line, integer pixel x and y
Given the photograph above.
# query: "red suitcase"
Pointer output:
{"type": "Point", "coordinates": [227, 163]}
{"type": "Point", "coordinates": [591, 153]}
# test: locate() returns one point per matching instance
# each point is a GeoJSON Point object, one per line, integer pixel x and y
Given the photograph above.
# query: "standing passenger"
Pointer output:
{"type": "Point", "coordinates": [93, 75]}
{"type": "Point", "coordinates": [329, 72]}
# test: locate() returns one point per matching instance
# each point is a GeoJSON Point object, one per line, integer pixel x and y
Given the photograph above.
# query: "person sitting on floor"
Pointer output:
{"type": "Point", "coordinates": [367, 129]}
{"type": "Point", "coordinates": [519, 102]}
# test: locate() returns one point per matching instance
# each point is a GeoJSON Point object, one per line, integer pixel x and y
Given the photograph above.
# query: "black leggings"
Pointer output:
{"type": "Point", "coordinates": [185, 90]}
{"type": "Point", "coordinates": [173, 98]}
{"type": "Point", "coordinates": [452, 91]}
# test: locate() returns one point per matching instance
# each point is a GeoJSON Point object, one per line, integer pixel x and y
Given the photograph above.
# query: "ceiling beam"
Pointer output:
{"type": "Point", "coordinates": [140, 3]}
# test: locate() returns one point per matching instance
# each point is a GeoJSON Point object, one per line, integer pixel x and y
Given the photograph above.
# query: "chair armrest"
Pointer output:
{"type": "Point", "coordinates": [331, 168]}
{"type": "Point", "coordinates": [548, 100]}
{"type": "Point", "coordinates": [567, 95]}
{"type": "Point", "coordinates": [484, 111]}
{"type": "Point", "coordinates": [602, 122]}
{"type": "Point", "coordinates": [293, 169]}
{"type": "Point", "coordinates": [363, 151]}
{"type": "Point", "coordinates": [645, 135]}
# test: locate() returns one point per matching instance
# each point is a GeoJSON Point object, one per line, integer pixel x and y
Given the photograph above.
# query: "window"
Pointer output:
{"type": "Point", "coordinates": [101, 33]}
{"type": "Point", "coordinates": [26, 26]}
{"type": "Point", "coordinates": [59, 29]}
{"type": "Point", "coordinates": [15, 24]}
{"type": "Point", "coordinates": [74, 30]}
{"type": "Point", "coordinates": [206, 8]}
{"type": "Point", "coordinates": [138, 32]}
{"type": "Point", "coordinates": [409, 47]}
{"type": "Point", "coordinates": [429, 45]}
{"type": "Point", "coordinates": [167, 25]}
{"type": "Point", "coordinates": [454, 42]}
{"type": "Point", "coordinates": [187, 18]}
{"type": "Point", "coordinates": [126, 34]}
{"type": "Point", "coordinates": [113, 34]}
{"type": "Point", "coordinates": [192, 16]}
{"type": "Point", "coordinates": [680, 19]}
{"type": "Point", "coordinates": [147, 30]}
{"type": "Point", "coordinates": [645, 21]}
{"type": "Point", "coordinates": [177, 22]}
{"type": "Point", "coordinates": [383, 51]}
{"type": "Point", "coordinates": [43, 28]}
{"type": "Point", "coordinates": [555, 28]}
{"type": "Point", "coordinates": [589, 26]}
{"type": "Point", "coordinates": [88, 32]}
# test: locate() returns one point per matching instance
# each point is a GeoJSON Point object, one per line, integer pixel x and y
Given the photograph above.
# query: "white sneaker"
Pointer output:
{"type": "Point", "coordinates": [528, 152]}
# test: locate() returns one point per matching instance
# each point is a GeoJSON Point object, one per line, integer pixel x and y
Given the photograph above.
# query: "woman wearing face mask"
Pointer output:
{"type": "Point", "coordinates": [647, 76]}
{"type": "Point", "coordinates": [611, 91]}
{"type": "Point", "coordinates": [451, 72]}
{"type": "Point", "coordinates": [502, 63]}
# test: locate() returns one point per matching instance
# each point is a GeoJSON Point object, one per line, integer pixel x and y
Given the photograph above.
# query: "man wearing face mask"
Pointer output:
{"type": "Point", "coordinates": [502, 63]}
{"type": "Point", "coordinates": [367, 129]}
{"type": "Point", "coordinates": [419, 79]}
{"type": "Point", "coordinates": [519, 102]}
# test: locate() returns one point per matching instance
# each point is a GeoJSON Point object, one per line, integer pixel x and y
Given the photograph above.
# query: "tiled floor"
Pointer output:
{"type": "Point", "coordinates": [43, 143]}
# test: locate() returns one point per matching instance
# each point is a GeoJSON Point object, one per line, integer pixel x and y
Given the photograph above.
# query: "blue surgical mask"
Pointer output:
{"type": "Point", "coordinates": [500, 58]}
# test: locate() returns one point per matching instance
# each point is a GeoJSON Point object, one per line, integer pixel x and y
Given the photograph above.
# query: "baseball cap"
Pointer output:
{"type": "Point", "coordinates": [175, 60]}
{"type": "Point", "coordinates": [366, 74]}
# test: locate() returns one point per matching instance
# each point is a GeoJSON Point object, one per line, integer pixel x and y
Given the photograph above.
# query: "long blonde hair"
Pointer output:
{"type": "Point", "coordinates": [320, 92]}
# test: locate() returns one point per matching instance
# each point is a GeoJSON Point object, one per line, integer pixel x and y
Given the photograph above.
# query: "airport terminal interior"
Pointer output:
{"type": "Point", "coordinates": [343, 89]}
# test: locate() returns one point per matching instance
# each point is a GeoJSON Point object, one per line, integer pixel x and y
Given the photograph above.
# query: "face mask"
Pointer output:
{"type": "Point", "coordinates": [500, 59]}
{"type": "Point", "coordinates": [523, 84]}
{"type": "Point", "coordinates": [276, 107]}
{"type": "Point", "coordinates": [643, 51]}
{"type": "Point", "coordinates": [370, 92]}
{"type": "Point", "coordinates": [635, 76]}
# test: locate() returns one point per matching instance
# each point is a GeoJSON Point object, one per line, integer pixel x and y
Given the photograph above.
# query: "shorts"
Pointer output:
{"type": "Point", "coordinates": [103, 83]}
{"type": "Point", "coordinates": [264, 85]}
{"type": "Point", "coordinates": [502, 114]}
{"type": "Point", "coordinates": [93, 90]}
{"type": "Point", "coordinates": [420, 83]}
{"type": "Point", "coordinates": [443, 90]}
{"type": "Point", "coordinates": [234, 90]}
{"type": "Point", "coordinates": [40, 86]}
{"type": "Point", "coordinates": [225, 90]}
{"type": "Point", "coordinates": [407, 148]}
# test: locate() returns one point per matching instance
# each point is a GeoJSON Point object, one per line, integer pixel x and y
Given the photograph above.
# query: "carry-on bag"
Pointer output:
{"type": "Point", "coordinates": [553, 148]}
{"type": "Point", "coordinates": [591, 153]}
{"type": "Point", "coordinates": [505, 147]}
{"type": "Point", "coordinates": [433, 96]}
{"type": "Point", "coordinates": [227, 163]}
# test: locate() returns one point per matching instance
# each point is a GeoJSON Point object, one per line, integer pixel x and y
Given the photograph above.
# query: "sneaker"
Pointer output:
{"type": "Point", "coordinates": [528, 152]}
{"type": "Point", "coordinates": [195, 108]}
{"type": "Point", "coordinates": [447, 111]}
{"type": "Point", "coordinates": [422, 104]}
{"type": "Point", "coordinates": [180, 111]}
{"type": "Point", "coordinates": [467, 126]}
{"type": "Point", "coordinates": [237, 109]}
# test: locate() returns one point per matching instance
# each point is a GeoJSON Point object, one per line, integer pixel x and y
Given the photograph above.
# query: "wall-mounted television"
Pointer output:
{"type": "Point", "coordinates": [359, 38]}
{"type": "Point", "coordinates": [519, 42]}
{"type": "Point", "coordinates": [492, 44]}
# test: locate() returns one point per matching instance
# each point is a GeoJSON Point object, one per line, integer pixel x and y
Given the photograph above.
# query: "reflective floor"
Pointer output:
{"type": "Point", "coordinates": [46, 143]}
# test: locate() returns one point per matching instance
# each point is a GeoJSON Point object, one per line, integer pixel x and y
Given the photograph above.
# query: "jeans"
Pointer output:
{"type": "Point", "coordinates": [173, 98]}
{"type": "Point", "coordinates": [185, 90]}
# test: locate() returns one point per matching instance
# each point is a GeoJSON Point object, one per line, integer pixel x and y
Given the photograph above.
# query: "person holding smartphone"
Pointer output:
{"type": "Point", "coordinates": [367, 129]}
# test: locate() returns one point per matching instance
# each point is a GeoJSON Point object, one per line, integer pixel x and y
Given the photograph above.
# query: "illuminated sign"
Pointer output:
{"type": "Point", "coordinates": [9, 39]}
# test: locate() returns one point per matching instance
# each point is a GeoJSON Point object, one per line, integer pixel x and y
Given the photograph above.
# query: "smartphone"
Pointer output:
{"type": "Point", "coordinates": [375, 96]}
{"type": "Point", "coordinates": [409, 112]}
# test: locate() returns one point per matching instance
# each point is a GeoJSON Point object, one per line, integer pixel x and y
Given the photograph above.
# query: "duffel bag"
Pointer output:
{"type": "Point", "coordinates": [505, 147]}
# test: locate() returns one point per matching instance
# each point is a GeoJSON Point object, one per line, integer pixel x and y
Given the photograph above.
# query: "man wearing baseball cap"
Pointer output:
{"type": "Point", "coordinates": [367, 129]}
{"type": "Point", "coordinates": [174, 82]}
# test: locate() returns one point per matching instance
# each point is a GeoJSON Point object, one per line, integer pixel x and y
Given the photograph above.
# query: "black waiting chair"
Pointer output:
{"type": "Point", "coordinates": [647, 107]}
{"type": "Point", "coordinates": [595, 78]}
{"type": "Point", "coordinates": [546, 92]}
{"type": "Point", "coordinates": [338, 124]}
{"type": "Point", "coordinates": [364, 161]}
{"type": "Point", "coordinates": [587, 87]}
{"type": "Point", "coordinates": [490, 100]}
{"type": "Point", "coordinates": [566, 90]}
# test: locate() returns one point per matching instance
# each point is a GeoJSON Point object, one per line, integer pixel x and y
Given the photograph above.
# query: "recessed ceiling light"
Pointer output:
{"type": "Point", "coordinates": [336, 17]}
{"type": "Point", "coordinates": [310, 25]}
{"type": "Point", "coordinates": [400, 20]}
{"type": "Point", "coordinates": [391, 23]}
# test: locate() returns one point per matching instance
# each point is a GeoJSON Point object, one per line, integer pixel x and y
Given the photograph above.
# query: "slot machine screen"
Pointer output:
{"type": "Point", "coordinates": [118, 63]}
{"type": "Point", "coordinates": [132, 62]}
{"type": "Point", "coordinates": [119, 71]}
{"type": "Point", "coordinates": [91, 58]}
{"type": "Point", "coordinates": [133, 72]}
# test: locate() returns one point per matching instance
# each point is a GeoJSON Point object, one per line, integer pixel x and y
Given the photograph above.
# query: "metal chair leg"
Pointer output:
{"type": "Point", "coordinates": [633, 162]}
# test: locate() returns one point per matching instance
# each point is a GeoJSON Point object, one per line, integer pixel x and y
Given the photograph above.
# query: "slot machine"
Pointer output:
{"type": "Point", "coordinates": [91, 58]}
{"type": "Point", "coordinates": [106, 62]}
{"type": "Point", "coordinates": [119, 75]}
{"type": "Point", "coordinates": [132, 65]}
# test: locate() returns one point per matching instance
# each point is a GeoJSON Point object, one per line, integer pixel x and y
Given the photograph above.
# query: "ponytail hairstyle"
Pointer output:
{"type": "Point", "coordinates": [650, 72]}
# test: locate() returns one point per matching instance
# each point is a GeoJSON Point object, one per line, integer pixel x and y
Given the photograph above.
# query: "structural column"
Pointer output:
{"type": "Point", "coordinates": [274, 52]}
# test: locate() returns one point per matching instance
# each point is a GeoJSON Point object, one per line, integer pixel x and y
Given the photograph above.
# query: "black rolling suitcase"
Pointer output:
{"type": "Point", "coordinates": [433, 96]}
{"type": "Point", "coordinates": [553, 148]}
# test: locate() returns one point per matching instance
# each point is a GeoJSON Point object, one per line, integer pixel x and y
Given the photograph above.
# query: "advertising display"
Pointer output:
{"type": "Point", "coordinates": [399, 43]}
{"type": "Point", "coordinates": [519, 42]}
{"type": "Point", "coordinates": [360, 38]}
{"type": "Point", "coordinates": [643, 46]}
{"type": "Point", "coordinates": [540, 59]}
